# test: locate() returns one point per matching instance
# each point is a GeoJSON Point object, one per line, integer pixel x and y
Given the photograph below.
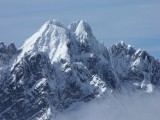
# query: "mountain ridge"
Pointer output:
{"type": "Point", "coordinates": [59, 66]}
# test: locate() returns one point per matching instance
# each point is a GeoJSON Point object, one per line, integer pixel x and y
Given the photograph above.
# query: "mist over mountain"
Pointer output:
{"type": "Point", "coordinates": [58, 69]}
{"type": "Point", "coordinates": [121, 107]}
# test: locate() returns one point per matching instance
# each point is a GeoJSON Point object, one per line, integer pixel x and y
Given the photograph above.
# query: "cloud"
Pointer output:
{"type": "Point", "coordinates": [123, 107]}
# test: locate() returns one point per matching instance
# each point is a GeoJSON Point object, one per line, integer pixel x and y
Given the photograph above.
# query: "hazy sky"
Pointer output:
{"type": "Point", "coordinates": [136, 22]}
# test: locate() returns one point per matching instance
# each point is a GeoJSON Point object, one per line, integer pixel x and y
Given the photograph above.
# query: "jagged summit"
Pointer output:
{"type": "Point", "coordinates": [10, 49]}
{"type": "Point", "coordinates": [53, 38]}
{"type": "Point", "coordinates": [122, 44]}
{"type": "Point", "coordinates": [80, 27]}
{"type": "Point", "coordinates": [6, 53]}
{"type": "Point", "coordinates": [55, 22]}
{"type": "Point", "coordinates": [58, 67]}
{"type": "Point", "coordinates": [84, 36]}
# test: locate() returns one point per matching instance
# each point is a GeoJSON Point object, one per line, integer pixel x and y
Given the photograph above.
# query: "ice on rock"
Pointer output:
{"type": "Point", "coordinates": [58, 67]}
{"type": "Point", "coordinates": [83, 29]}
{"type": "Point", "coordinates": [149, 88]}
{"type": "Point", "coordinates": [51, 39]}
{"type": "Point", "coordinates": [2, 47]}
{"type": "Point", "coordinates": [55, 22]}
{"type": "Point", "coordinates": [11, 49]}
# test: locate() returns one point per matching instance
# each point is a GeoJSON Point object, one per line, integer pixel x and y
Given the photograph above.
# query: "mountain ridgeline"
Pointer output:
{"type": "Point", "coordinates": [59, 66]}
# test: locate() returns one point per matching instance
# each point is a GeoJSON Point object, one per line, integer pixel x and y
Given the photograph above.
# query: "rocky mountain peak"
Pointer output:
{"type": "Point", "coordinates": [10, 49]}
{"type": "Point", "coordinates": [2, 47]}
{"type": "Point", "coordinates": [58, 67]}
{"type": "Point", "coordinates": [55, 22]}
{"type": "Point", "coordinates": [83, 28]}
{"type": "Point", "coordinates": [51, 38]}
{"type": "Point", "coordinates": [6, 53]}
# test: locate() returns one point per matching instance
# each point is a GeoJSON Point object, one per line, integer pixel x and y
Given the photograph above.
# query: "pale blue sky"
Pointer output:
{"type": "Point", "coordinates": [136, 22]}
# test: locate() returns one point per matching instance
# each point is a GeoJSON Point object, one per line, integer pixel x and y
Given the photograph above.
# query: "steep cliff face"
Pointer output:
{"type": "Point", "coordinates": [135, 67]}
{"type": "Point", "coordinates": [6, 53]}
{"type": "Point", "coordinates": [25, 91]}
{"type": "Point", "coordinates": [58, 67]}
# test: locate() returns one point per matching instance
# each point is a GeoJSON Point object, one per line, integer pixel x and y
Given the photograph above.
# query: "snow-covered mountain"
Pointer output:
{"type": "Point", "coordinates": [58, 67]}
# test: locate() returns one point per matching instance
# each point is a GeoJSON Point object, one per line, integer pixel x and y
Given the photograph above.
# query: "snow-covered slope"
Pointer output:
{"type": "Point", "coordinates": [135, 66]}
{"type": "Point", "coordinates": [51, 39]}
{"type": "Point", "coordinates": [58, 67]}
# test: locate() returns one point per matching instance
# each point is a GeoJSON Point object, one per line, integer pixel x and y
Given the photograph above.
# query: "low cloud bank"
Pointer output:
{"type": "Point", "coordinates": [121, 107]}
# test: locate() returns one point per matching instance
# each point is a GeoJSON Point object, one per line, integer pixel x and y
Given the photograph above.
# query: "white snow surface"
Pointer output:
{"type": "Point", "coordinates": [51, 38]}
{"type": "Point", "coordinates": [62, 46]}
{"type": "Point", "coordinates": [77, 57]}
